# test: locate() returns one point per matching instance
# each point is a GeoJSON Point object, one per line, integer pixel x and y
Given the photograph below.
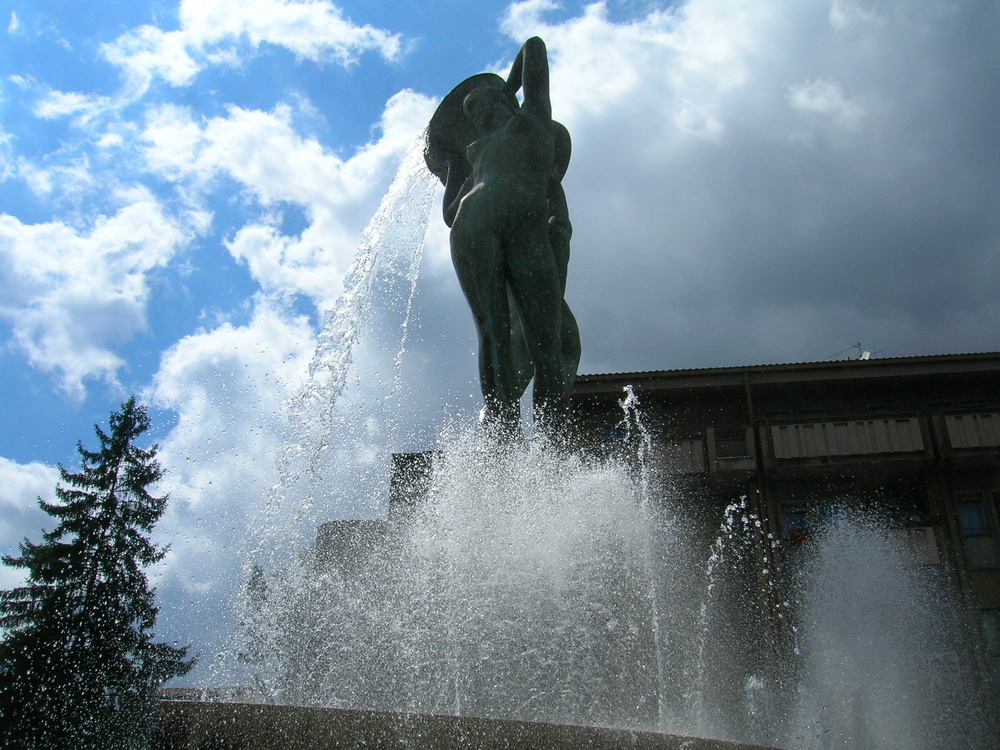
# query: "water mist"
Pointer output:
{"type": "Point", "coordinates": [537, 583]}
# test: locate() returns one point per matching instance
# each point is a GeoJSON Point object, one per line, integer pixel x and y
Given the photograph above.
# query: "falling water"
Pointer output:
{"type": "Point", "coordinates": [880, 657]}
{"type": "Point", "coordinates": [520, 588]}
{"type": "Point", "coordinates": [524, 586]}
{"type": "Point", "coordinates": [391, 245]}
{"type": "Point", "coordinates": [731, 638]}
{"type": "Point", "coordinates": [540, 584]}
{"type": "Point", "coordinates": [380, 283]}
{"type": "Point", "coordinates": [640, 444]}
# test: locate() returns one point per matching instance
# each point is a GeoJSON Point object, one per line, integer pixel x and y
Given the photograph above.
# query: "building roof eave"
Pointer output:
{"type": "Point", "coordinates": [783, 374]}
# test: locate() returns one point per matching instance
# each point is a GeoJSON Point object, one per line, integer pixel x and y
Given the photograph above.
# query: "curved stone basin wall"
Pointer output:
{"type": "Point", "coordinates": [187, 725]}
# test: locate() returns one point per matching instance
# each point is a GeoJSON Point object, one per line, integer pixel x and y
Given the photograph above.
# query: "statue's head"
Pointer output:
{"type": "Point", "coordinates": [451, 129]}
{"type": "Point", "coordinates": [489, 108]}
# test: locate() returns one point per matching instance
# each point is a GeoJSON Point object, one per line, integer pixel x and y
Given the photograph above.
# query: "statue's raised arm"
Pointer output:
{"type": "Point", "coordinates": [530, 72]}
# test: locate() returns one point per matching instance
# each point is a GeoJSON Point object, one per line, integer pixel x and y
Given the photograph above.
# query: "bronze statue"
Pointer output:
{"type": "Point", "coordinates": [502, 164]}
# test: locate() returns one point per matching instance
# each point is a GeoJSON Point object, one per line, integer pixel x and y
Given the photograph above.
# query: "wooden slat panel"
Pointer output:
{"type": "Point", "coordinates": [682, 456]}
{"type": "Point", "coordinates": [855, 438]}
{"type": "Point", "coordinates": [973, 430]}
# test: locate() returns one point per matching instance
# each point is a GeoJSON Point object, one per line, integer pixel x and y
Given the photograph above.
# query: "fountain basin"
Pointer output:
{"type": "Point", "coordinates": [191, 725]}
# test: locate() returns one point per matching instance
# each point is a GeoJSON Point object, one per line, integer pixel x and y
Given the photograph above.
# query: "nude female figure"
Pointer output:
{"type": "Point", "coordinates": [499, 199]}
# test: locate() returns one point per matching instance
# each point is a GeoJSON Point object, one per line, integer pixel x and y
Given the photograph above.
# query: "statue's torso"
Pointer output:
{"type": "Point", "coordinates": [511, 167]}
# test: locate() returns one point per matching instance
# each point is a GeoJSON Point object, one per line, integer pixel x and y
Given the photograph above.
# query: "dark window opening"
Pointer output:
{"type": "Point", "coordinates": [977, 530]}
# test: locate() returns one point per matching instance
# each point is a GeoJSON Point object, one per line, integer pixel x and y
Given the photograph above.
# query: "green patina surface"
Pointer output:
{"type": "Point", "coordinates": [502, 163]}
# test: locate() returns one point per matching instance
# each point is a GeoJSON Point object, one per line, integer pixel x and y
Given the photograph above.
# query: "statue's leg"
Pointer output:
{"type": "Point", "coordinates": [560, 233]}
{"type": "Point", "coordinates": [534, 282]}
{"type": "Point", "coordinates": [506, 400]}
{"type": "Point", "coordinates": [560, 230]}
{"type": "Point", "coordinates": [524, 368]}
{"type": "Point", "coordinates": [478, 263]}
{"type": "Point", "coordinates": [570, 335]}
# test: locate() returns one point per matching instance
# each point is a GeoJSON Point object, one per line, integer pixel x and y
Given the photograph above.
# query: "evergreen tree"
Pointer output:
{"type": "Point", "coordinates": [78, 666]}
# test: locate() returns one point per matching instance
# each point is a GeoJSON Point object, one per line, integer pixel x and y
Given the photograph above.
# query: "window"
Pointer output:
{"type": "Point", "coordinates": [798, 522]}
{"type": "Point", "coordinates": [795, 526]}
{"type": "Point", "coordinates": [977, 524]}
{"type": "Point", "coordinates": [731, 443]}
{"type": "Point", "coordinates": [615, 434]}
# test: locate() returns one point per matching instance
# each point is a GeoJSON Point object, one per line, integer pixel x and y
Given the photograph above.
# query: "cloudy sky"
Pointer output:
{"type": "Point", "coordinates": [185, 185]}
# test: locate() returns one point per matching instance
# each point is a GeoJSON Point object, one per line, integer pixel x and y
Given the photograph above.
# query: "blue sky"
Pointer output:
{"type": "Point", "coordinates": [183, 187]}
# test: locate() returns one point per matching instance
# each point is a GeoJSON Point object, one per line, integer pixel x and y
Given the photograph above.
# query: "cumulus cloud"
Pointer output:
{"type": "Point", "coordinates": [73, 297]}
{"type": "Point", "coordinates": [20, 516]}
{"type": "Point", "coordinates": [739, 164]}
{"type": "Point", "coordinates": [213, 32]}
{"type": "Point", "coordinates": [824, 98]}
{"type": "Point", "coordinates": [277, 167]}
{"type": "Point", "coordinates": [229, 382]}
{"type": "Point", "coordinates": [227, 386]}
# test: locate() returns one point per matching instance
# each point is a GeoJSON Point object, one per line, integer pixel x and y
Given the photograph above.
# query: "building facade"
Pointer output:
{"type": "Point", "coordinates": [918, 437]}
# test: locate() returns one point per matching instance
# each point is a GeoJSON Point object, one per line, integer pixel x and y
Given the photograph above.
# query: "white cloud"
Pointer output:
{"type": "Point", "coordinates": [524, 19]}
{"type": "Point", "coordinates": [212, 32]}
{"type": "Point", "coordinates": [59, 104]}
{"type": "Point", "coordinates": [98, 122]}
{"type": "Point", "coordinates": [671, 73]}
{"type": "Point", "coordinates": [227, 386]}
{"type": "Point", "coordinates": [110, 140]}
{"type": "Point", "coordinates": [846, 13]}
{"type": "Point", "coordinates": [148, 52]}
{"type": "Point", "coordinates": [20, 516]}
{"type": "Point", "coordinates": [825, 98]}
{"type": "Point", "coordinates": [276, 166]}
{"type": "Point", "coordinates": [88, 111]}
{"type": "Point", "coordinates": [74, 297]}
{"type": "Point", "coordinates": [71, 178]}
